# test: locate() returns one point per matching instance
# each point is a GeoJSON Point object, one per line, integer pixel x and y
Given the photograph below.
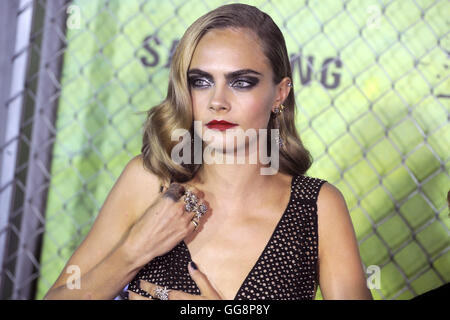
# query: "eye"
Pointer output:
{"type": "Point", "coordinates": [198, 82]}
{"type": "Point", "coordinates": [201, 83]}
{"type": "Point", "coordinates": [241, 83]}
{"type": "Point", "coordinates": [244, 83]}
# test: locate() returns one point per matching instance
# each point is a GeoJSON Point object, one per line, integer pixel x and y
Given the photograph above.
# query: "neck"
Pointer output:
{"type": "Point", "coordinates": [237, 181]}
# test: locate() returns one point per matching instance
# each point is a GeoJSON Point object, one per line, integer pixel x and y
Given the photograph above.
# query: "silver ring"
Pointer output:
{"type": "Point", "coordinates": [190, 206]}
{"type": "Point", "coordinates": [195, 223]}
{"type": "Point", "coordinates": [191, 201]}
{"type": "Point", "coordinates": [201, 210]}
{"type": "Point", "coordinates": [162, 293]}
{"type": "Point", "coordinates": [190, 197]}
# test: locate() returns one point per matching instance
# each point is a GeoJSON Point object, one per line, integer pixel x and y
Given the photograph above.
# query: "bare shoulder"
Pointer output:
{"type": "Point", "coordinates": [330, 197]}
{"type": "Point", "coordinates": [328, 190]}
{"type": "Point", "coordinates": [137, 186]}
{"type": "Point", "coordinates": [136, 171]}
{"type": "Point", "coordinates": [135, 168]}
{"type": "Point", "coordinates": [332, 214]}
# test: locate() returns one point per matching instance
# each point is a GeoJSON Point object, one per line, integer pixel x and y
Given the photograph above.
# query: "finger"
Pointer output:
{"type": "Point", "coordinates": [193, 225]}
{"type": "Point", "coordinates": [191, 201]}
{"type": "Point", "coordinates": [147, 287]}
{"type": "Point", "coordinates": [199, 205]}
{"type": "Point", "coordinates": [206, 288]}
{"type": "Point", "coordinates": [134, 296]}
{"type": "Point", "coordinates": [151, 289]}
{"type": "Point", "coordinates": [191, 210]}
{"type": "Point", "coordinates": [172, 295]}
{"type": "Point", "coordinates": [174, 192]}
{"type": "Point", "coordinates": [201, 209]}
{"type": "Point", "coordinates": [195, 190]}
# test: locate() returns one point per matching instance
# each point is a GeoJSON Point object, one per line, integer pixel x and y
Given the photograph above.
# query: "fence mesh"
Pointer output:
{"type": "Point", "coordinates": [372, 86]}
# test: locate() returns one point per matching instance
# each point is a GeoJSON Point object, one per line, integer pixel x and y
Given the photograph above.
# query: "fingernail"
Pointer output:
{"type": "Point", "coordinates": [193, 265]}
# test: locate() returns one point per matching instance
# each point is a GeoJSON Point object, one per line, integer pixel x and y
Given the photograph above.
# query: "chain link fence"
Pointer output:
{"type": "Point", "coordinates": [372, 85]}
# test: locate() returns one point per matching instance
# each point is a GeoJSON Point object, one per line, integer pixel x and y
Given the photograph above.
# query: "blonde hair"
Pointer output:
{"type": "Point", "coordinates": [175, 112]}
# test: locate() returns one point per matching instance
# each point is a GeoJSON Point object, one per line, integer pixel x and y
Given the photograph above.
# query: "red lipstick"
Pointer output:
{"type": "Point", "coordinates": [220, 125]}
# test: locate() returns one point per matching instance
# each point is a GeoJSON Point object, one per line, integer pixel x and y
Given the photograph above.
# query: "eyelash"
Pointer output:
{"type": "Point", "coordinates": [251, 84]}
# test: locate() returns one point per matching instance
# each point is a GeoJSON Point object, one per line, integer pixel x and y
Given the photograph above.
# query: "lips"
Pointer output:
{"type": "Point", "coordinates": [220, 125]}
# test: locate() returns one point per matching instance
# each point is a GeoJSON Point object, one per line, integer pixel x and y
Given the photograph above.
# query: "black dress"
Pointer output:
{"type": "Point", "coordinates": [285, 270]}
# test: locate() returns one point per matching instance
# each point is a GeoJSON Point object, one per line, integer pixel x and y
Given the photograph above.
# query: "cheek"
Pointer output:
{"type": "Point", "coordinates": [257, 113]}
{"type": "Point", "coordinates": [200, 101]}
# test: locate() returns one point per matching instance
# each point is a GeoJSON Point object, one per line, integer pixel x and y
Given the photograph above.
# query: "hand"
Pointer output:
{"type": "Point", "coordinates": [162, 226]}
{"type": "Point", "coordinates": [207, 291]}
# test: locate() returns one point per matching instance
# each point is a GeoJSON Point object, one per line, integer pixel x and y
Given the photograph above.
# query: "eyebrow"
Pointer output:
{"type": "Point", "coordinates": [228, 76]}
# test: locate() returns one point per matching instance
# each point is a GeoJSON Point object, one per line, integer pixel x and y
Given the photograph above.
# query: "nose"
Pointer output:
{"type": "Point", "coordinates": [219, 101]}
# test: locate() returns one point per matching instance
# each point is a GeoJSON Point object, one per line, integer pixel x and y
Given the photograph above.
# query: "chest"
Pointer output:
{"type": "Point", "coordinates": [230, 245]}
{"type": "Point", "coordinates": [227, 252]}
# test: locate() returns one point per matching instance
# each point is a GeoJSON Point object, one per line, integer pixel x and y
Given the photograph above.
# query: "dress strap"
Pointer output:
{"type": "Point", "coordinates": [307, 188]}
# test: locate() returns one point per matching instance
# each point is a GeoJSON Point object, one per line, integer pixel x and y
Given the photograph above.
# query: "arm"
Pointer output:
{"type": "Point", "coordinates": [341, 275]}
{"type": "Point", "coordinates": [103, 258]}
{"type": "Point", "coordinates": [103, 281]}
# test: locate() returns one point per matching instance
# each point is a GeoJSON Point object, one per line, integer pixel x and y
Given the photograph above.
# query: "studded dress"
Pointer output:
{"type": "Point", "coordinates": [287, 268]}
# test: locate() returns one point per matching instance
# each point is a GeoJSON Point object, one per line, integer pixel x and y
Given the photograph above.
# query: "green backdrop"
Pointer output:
{"type": "Point", "coordinates": [373, 110]}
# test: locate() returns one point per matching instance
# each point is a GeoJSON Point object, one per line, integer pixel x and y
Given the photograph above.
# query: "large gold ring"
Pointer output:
{"type": "Point", "coordinates": [195, 223]}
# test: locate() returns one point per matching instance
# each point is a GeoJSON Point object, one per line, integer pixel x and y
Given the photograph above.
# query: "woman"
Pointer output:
{"type": "Point", "coordinates": [252, 235]}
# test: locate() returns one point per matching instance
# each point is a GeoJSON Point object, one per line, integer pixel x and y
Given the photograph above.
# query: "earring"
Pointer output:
{"type": "Point", "coordinates": [280, 141]}
{"type": "Point", "coordinates": [277, 111]}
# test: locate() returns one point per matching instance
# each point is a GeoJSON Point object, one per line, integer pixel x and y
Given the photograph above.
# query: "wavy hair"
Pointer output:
{"type": "Point", "coordinates": [175, 112]}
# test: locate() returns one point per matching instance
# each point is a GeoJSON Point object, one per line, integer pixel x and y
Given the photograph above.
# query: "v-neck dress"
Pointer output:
{"type": "Point", "coordinates": [287, 268]}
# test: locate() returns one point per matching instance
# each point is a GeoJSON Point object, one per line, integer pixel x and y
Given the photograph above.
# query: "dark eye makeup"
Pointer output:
{"type": "Point", "coordinates": [239, 83]}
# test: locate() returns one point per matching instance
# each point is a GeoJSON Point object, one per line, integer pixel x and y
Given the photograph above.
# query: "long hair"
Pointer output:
{"type": "Point", "coordinates": [175, 112]}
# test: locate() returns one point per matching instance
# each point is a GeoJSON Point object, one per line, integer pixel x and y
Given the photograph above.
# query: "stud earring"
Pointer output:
{"type": "Point", "coordinates": [278, 110]}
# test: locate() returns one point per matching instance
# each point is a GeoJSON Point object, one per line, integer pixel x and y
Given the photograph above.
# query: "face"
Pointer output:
{"type": "Point", "coordinates": [220, 90]}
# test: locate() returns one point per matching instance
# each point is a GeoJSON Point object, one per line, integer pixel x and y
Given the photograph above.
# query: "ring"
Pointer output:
{"type": "Point", "coordinates": [191, 205]}
{"type": "Point", "coordinates": [191, 201]}
{"type": "Point", "coordinates": [162, 293]}
{"type": "Point", "coordinates": [190, 197]}
{"type": "Point", "coordinates": [195, 223]}
{"type": "Point", "coordinates": [200, 210]}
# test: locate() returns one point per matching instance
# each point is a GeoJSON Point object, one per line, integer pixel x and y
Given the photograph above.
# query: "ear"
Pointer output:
{"type": "Point", "coordinates": [282, 91]}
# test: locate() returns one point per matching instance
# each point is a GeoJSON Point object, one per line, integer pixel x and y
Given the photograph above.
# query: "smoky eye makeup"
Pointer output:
{"type": "Point", "coordinates": [247, 82]}
{"type": "Point", "coordinates": [239, 79]}
{"type": "Point", "coordinates": [197, 82]}
{"type": "Point", "coordinates": [238, 83]}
